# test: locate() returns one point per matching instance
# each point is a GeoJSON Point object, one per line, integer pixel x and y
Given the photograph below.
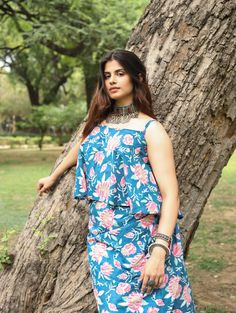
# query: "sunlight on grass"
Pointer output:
{"type": "Point", "coordinates": [19, 172]}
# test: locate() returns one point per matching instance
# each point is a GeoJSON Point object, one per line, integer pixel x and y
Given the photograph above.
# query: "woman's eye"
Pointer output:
{"type": "Point", "coordinates": [119, 74]}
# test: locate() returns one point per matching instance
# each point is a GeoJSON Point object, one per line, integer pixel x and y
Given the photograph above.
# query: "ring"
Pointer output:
{"type": "Point", "coordinates": [151, 283]}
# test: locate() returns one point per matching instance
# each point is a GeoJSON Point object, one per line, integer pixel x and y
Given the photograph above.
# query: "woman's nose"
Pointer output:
{"type": "Point", "coordinates": [112, 79]}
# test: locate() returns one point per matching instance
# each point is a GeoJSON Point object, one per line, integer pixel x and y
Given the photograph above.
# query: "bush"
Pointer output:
{"type": "Point", "coordinates": [25, 140]}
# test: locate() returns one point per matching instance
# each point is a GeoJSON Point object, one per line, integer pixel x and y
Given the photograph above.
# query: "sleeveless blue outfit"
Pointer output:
{"type": "Point", "coordinates": [114, 174]}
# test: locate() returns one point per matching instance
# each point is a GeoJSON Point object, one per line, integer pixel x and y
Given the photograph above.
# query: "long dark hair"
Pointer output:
{"type": "Point", "coordinates": [101, 104]}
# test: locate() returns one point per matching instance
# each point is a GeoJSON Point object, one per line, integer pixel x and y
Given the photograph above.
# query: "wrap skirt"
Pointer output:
{"type": "Point", "coordinates": [117, 246]}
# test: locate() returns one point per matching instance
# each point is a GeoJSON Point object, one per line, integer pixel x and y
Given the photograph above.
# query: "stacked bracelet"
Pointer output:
{"type": "Point", "coordinates": [154, 244]}
{"type": "Point", "coordinates": [164, 237]}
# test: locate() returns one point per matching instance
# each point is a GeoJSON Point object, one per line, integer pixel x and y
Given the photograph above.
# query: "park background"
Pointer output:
{"type": "Point", "coordinates": [44, 96]}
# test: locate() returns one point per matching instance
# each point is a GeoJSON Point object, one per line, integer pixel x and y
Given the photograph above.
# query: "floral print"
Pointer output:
{"type": "Point", "coordinates": [114, 174]}
{"type": "Point", "coordinates": [113, 167]}
{"type": "Point", "coordinates": [117, 254]}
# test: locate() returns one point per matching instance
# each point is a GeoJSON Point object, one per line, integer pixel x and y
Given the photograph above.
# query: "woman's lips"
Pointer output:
{"type": "Point", "coordinates": [114, 90]}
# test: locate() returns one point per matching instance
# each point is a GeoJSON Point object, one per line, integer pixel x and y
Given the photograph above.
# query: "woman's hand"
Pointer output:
{"type": "Point", "coordinates": [44, 184]}
{"type": "Point", "coordinates": [154, 269]}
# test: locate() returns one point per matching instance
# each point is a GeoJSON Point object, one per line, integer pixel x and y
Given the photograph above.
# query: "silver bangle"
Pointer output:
{"type": "Point", "coordinates": [154, 244]}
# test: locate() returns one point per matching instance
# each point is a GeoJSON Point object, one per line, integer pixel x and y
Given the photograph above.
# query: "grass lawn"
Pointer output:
{"type": "Point", "coordinates": [19, 173]}
{"type": "Point", "coordinates": [212, 256]}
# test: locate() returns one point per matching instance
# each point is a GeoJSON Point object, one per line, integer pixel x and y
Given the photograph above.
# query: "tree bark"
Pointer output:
{"type": "Point", "coordinates": [189, 50]}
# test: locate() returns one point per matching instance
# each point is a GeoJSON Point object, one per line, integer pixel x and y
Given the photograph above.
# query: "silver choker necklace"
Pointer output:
{"type": "Point", "coordinates": [122, 114]}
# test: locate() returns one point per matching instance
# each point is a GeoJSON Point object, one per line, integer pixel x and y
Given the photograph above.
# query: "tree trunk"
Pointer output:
{"type": "Point", "coordinates": [188, 48]}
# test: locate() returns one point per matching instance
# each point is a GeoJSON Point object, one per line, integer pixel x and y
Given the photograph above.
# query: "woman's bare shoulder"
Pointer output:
{"type": "Point", "coordinates": [145, 118]}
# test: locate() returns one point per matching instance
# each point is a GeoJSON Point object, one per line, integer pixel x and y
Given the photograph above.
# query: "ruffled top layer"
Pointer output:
{"type": "Point", "coordinates": [113, 167]}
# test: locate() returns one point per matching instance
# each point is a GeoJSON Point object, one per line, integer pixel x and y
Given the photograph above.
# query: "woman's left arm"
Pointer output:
{"type": "Point", "coordinates": [161, 158]}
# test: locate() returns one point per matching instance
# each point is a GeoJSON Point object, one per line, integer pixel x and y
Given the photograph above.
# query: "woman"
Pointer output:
{"type": "Point", "coordinates": [126, 171]}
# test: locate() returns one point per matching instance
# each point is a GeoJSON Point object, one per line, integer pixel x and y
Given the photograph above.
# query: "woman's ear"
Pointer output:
{"type": "Point", "coordinates": [140, 77]}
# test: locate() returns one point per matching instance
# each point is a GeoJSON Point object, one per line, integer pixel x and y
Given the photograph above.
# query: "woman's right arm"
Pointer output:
{"type": "Point", "coordinates": [70, 160]}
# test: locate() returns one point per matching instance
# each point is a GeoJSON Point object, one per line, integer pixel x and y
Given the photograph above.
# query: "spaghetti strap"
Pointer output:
{"type": "Point", "coordinates": [147, 124]}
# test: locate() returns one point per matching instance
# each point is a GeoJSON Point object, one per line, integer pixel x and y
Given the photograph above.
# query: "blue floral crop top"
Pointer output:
{"type": "Point", "coordinates": [113, 167]}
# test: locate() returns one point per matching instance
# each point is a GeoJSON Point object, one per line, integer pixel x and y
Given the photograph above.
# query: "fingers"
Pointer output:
{"type": "Point", "coordinates": [144, 284]}
{"type": "Point", "coordinates": [158, 279]}
{"type": "Point", "coordinates": [42, 190]}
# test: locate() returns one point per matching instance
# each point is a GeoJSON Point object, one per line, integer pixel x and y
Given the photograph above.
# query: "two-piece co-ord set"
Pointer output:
{"type": "Point", "coordinates": [114, 174]}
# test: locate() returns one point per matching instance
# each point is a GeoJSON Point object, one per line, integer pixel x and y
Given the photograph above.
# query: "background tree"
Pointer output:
{"type": "Point", "coordinates": [33, 46]}
{"type": "Point", "coordinates": [14, 103]}
{"type": "Point", "coordinates": [189, 51]}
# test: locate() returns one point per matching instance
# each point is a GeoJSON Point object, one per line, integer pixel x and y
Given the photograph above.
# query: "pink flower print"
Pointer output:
{"type": "Point", "coordinates": [117, 264]}
{"type": "Point", "coordinates": [103, 168]}
{"type": "Point", "coordinates": [141, 174]}
{"type": "Point", "coordinates": [112, 179]}
{"type": "Point", "coordinates": [147, 221]}
{"type": "Point", "coordinates": [107, 218]}
{"type": "Point", "coordinates": [134, 301]}
{"type": "Point", "coordinates": [98, 157]}
{"type": "Point", "coordinates": [145, 159]}
{"type": "Point", "coordinates": [159, 197]}
{"type": "Point", "coordinates": [160, 302]}
{"type": "Point", "coordinates": [129, 202]}
{"type": "Point", "coordinates": [98, 251]}
{"type": "Point", "coordinates": [139, 215]}
{"type": "Point", "coordinates": [177, 311]}
{"type": "Point", "coordinates": [95, 131]}
{"type": "Point", "coordinates": [178, 236]}
{"type": "Point", "coordinates": [152, 207]}
{"type": "Point", "coordinates": [177, 249]}
{"type": "Point", "coordinates": [123, 288]}
{"type": "Point", "coordinates": [102, 189]}
{"type": "Point", "coordinates": [114, 231]}
{"type": "Point", "coordinates": [128, 249]}
{"type": "Point", "coordinates": [106, 269]}
{"type": "Point", "coordinates": [174, 287]}
{"type": "Point", "coordinates": [165, 280]}
{"type": "Point", "coordinates": [152, 310]}
{"type": "Point", "coordinates": [91, 172]}
{"type": "Point", "coordinates": [90, 224]}
{"type": "Point", "coordinates": [129, 235]}
{"type": "Point", "coordinates": [138, 262]}
{"type": "Point", "coordinates": [99, 205]}
{"type": "Point", "coordinates": [122, 182]}
{"type": "Point", "coordinates": [187, 295]}
{"type": "Point", "coordinates": [112, 307]}
{"type": "Point", "coordinates": [122, 276]}
{"type": "Point", "coordinates": [154, 230]}
{"type": "Point", "coordinates": [128, 139]}
{"type": "Point", "coordinates": [97, 294]}
{"type": "Point", "coordinates": [152, 179]}
{"type": "Point", "coordinates": [90, 240]}
{"type": "Point", "coordinates": [112, 143]}
{"type": "Point", "coordinates": [137, 150]}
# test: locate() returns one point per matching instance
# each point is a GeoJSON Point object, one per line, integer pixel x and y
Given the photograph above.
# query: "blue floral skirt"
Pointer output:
{"type": "Point", "coordinates": [117, 244]}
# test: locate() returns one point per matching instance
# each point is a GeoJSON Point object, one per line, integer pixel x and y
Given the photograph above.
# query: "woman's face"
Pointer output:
{"type": "Point", "coordinates": [116, 77]}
